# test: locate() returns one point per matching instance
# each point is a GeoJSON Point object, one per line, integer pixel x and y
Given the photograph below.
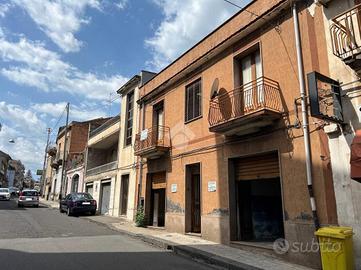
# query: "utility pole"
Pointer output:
{"type": "Point", "coordinates": [42, 183]}
{"type": "Point", "coordinates": [64, 152]}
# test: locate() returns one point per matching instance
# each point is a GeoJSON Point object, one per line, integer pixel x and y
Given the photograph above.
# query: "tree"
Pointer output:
{"type": "Point", "coordinates": [28, 180]}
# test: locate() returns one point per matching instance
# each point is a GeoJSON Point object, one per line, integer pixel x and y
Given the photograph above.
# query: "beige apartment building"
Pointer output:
{"type": "Point", "coordinates": [125, 190]}
{"type": "Point", "coordinates": [223, 139]}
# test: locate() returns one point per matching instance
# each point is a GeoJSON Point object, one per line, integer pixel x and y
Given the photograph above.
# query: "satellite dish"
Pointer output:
{"type": "Point", "coordinates": [11, 141]}
{"type": "Point", "coordinates": [214, 89]}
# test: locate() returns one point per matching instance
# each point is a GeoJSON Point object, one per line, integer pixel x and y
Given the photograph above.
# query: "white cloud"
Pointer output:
{"type": "Point", "coordinates": [27, 130]}
{"type": "Point", "coordinates": [59, 20]}
{"type": "Point", "coordinates": [121, 4]}
{"type": "Point", "coordinates": [44, 69]}
{"type": "Point", "coordinates": [82, 112]}
{"type": "Point", "coordinates": [185, 23]}
{"type": "Point", "coordinates": [27, 126]}
{"type": "Point", "coordinates": [4, 8]}
{"type": "Point", "coordinates": [21, 118]}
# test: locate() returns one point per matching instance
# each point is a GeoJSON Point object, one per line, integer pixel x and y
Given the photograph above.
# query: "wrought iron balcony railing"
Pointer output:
{"type": "Point", "coordinates": [257, 95]}
{"type": "Point", "coordinates": [346, 33]}
{"type": "Point", "coordinates": [102, 168]}
{"type": "Point", "coordinates": [152, 140]}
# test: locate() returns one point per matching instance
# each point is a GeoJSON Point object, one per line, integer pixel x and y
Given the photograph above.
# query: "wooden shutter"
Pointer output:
{"type": "Point", "coordinates": [257, 167]}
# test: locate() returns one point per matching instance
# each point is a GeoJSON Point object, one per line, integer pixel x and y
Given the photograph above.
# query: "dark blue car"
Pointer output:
{"type": "Point", "coordinates": [78, 203]}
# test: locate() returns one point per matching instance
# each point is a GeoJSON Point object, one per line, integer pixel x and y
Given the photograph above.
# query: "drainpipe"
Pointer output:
{"type": "Point", "coordinates": [141, 125]}
{"type": "Point", "coordinates": [305, 124]}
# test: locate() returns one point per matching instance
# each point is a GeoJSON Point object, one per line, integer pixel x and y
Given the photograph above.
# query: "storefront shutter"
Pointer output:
{"type": "Point", "coordinates": [257, 167]}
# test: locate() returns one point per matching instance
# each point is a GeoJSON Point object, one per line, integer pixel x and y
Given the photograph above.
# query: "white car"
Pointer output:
{"type": "Point", "coordinates": [4, 194]}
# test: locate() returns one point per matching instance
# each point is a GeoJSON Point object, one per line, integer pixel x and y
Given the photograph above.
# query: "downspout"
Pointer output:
{"type": "Point", "coordinates": [141, 125]}
{"type": "Point", "coordinates": [305, 123]}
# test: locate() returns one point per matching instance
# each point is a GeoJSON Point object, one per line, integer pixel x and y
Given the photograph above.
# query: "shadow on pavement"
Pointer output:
{"type": "Point", "coordinates": [14, 260]}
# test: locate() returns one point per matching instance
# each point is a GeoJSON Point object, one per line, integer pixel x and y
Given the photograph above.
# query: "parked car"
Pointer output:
{"type": "Point", "coordinates": [5, 194]}
{"type": "Point", "coordinates": [14, 191]}
{"type": "Point", "coordinates": [28, 197]}
{"type": "Point", "coordinates": [77, 203]}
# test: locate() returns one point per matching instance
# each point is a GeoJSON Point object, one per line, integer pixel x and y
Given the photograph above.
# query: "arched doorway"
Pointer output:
{"type": "Point", "coordinates": [75, 183]}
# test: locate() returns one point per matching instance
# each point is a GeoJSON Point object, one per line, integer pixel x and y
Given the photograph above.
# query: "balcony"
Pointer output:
{"type": "Point", "coordinates": [102, 168]}
{"type": "Point", "coordinates": [152, 142]}
{"type": "Point", "coordinates": [346, 37]}
{"type": "Point", "coordinates": [51, 151]}
{"type": "Point", "coordinates": [106, 134]}
{"type": "Point", "coordinates": [246, 109]}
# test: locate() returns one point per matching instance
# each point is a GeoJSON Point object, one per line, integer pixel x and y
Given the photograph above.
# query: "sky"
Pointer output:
{"type": "Point", "coordinates": [81, 51]}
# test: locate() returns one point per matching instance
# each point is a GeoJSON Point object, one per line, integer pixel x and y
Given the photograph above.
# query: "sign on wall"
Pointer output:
{"type": "Point", "coordinates": [212, 186]}
{"type": "Point", "coordinates": [144, 135]}
{"type": "Point", "coordinates": [325, 97]}
{"type": "Point", "coordinates": [173, 188]}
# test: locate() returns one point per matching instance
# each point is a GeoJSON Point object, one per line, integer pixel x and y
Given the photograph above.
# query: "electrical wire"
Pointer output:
{"type": "Point", "coordinates": [57, 122]}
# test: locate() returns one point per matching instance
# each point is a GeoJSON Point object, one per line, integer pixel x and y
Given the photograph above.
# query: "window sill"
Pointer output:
{"type": "Point", "coordinates": [194, 119]}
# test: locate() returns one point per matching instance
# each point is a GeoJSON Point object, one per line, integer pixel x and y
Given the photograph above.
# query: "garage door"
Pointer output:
{"type": "Point", "coordinates": [105, 199]}
{"type": "Point", "coordinates": [257, 167]}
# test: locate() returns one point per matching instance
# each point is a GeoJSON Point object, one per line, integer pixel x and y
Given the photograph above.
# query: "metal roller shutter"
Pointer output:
{"type": "Point", "coordinates": [257, 167]}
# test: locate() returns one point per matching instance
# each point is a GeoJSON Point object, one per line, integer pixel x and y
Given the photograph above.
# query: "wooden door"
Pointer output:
{"type": "Point", "coordinates": [196, 204]}
{"type": "Point", "coordinates": [124, 189]}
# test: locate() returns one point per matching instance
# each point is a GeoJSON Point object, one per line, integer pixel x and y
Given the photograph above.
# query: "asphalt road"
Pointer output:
{"type": "Point", "coordinates": [42, 238]}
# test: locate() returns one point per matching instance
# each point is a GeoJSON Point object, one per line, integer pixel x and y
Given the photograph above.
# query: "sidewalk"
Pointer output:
{"type": "Point", "coordinates": [194, 247]}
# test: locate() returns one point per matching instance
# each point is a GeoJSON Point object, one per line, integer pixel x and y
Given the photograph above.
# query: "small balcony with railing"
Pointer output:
{"type": "Point", "coordinates": [153, 142]}
{"type": "Point", "coordinates": [346, 37]}
{"type": "Point", "coordinates": [51, 150]}
{"type": "Point", "coordinates": [246, 109]}
{"type": "Point", "coordinates": [102, 157]}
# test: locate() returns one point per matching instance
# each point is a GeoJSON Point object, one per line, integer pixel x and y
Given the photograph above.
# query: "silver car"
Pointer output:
{"type": "Point", "coordinates": [4, 194]}
{"type": "Point", "coordinates": [28, 197]}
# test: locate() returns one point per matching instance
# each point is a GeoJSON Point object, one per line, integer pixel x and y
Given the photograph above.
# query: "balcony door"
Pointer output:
{"type": "Point", "coordinates": [252, 87]}
{"type": "Point", "coordinates": [158, 122]}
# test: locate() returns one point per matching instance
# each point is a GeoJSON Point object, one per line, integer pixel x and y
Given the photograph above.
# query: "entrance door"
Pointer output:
{"type": "Point", "coordinates": [89, 189]}
{"type": "Point", "coordinates": [124, 198]}
{"type": "Point", "coordinates": [196, 203]}
{"type": "Point", "coordinates": [75, 183]}
{"type": "Point", "coordinates": [105, 199]}
{"type": "Point", "coordinates": [193, 198]}
{"type": "Point", "coordinates": [158, 208]}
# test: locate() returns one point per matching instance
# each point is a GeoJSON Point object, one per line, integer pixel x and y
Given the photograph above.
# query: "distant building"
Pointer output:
{"type": "Point", "coordinates": [10, 174]}
{"type": "Point", "coordinates": [4, 163]}
{"type": "Point", "coordinates": [77, 137]}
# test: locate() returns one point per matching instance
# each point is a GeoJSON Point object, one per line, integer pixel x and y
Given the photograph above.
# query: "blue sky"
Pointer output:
{"type": "Point", "coordinates": [82, 51]}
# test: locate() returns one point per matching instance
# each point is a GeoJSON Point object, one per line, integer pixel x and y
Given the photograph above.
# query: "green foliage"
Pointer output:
{"type": "Point", "coordinates": [140, 217]}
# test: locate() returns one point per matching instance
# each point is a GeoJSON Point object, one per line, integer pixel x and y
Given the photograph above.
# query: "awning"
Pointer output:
{"type": "Point", "coordinates": [356, 157]}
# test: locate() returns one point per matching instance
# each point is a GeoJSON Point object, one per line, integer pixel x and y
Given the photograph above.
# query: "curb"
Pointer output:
{"type": "Point", "coordinates": [194, 254]}
{"type": "Point", "coordinates": [185, 251]}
